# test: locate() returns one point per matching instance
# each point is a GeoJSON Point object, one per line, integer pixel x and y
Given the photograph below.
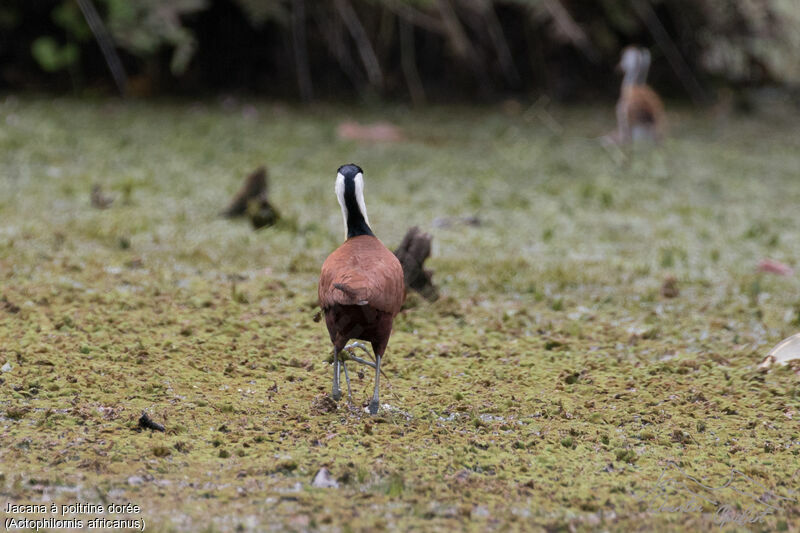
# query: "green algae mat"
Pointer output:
{"type": "Point", "coordinates": [591, 363]}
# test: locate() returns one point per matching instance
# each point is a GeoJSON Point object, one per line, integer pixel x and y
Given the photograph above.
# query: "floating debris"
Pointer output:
{"type": "Point", "coordinates": [450, 417]}
{"type": "Point", "coordinates": [392, 409]}
{"type": "Point", "coordinates": [145, 422]}
{"type": "Point", "coordinates": [377, 132]}
{"type": "Point", "coordinates": [254, 186]}
{"type": "Point", "coordinates": [139, 480]}
{"type": "Point", "coordinates": [6, 305]}
{"type": "Point", "coordinates": [669, 289]}
{"type": "Point", "coordinates": [771, 266]}
{"type": "Point", "coordinates": [324, 480]}
{"type": "Point", "coordinates": [414, 249]}
{"type": "Point", "coordinates": [252, 201]}
{"type": "Point", "coordinates": [261, 213]}
{"type": "Point", "coordinates": [783, 353]}
{"type": "Point", "coordinates": [99, 199]}
{"type": "Point", "coordinates": [323, 404]}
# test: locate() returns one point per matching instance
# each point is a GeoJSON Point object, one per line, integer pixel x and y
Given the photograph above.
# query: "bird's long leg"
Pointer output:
{"type": "Point", "coordinates": [336, 392]}
{"type": "Point", "coordinates": [347, 379]}
{"type": "Point", "coordinates": [349, 349]}
{"type": "Point", "coordinates": [350, 355]}
{"type": "Point", "coordinates": [624, 128]}
{"type": "Point", "coordinates": [373, 405]}
{"type": "Point", "coordinates": [362, 361]}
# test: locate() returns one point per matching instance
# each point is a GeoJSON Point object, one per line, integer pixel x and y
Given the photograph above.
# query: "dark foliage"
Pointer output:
{"type": "Point", "coordinates": [417, 49]}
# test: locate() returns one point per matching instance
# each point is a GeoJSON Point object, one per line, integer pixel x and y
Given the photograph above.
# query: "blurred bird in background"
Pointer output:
{"type": "Point", "coordinates": [640, 111]}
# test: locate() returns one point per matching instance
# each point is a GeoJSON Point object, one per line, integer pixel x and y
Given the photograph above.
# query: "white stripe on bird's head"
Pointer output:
{"type": "Point", "coordinates": [340, 196]}
{"type": "Point", "coordinates": [359, 180]}
{"type": "Point", "coordinates": [631, 64]}
{"type": "Point", "coordinates": [358, 190]}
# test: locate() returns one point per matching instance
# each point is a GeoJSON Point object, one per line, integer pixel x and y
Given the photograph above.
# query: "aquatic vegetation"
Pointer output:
{"type": "Point", "coordinates": [549, 386]}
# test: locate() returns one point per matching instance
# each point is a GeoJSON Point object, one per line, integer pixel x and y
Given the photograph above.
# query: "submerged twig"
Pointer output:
{"type": "Point", "coordinates": [145, 422]}
{"type": "Point", "coordinates": [252, 200]}
{"type": "Point", "coordinates": [412, 253]}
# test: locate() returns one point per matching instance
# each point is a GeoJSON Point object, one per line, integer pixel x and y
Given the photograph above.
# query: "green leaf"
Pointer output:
{"type": "Point", "coordinates": [52, 57]}
{"type": "Point", "coordinates": [45, 52]}
{"type": "Point", "coordinates": [120, 11]}
{"type": "Point", "coordinates": [68, 16]}
{"type": "Point", "coordinates": [70, 54]}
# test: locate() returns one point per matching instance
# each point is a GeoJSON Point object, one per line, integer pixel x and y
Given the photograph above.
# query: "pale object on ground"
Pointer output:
{"type": "Point", "coordinates": [100, 199]}
{"type": "Point", "coordinates": [378, 132]}
{"type": "Point", "coordinates": [774, 267]}
{"type": "Point", "coordinates": [6, 367]}
{"type": "Point", "coordinates": [785, 351]}
{"type": "Point", "coordinates": [324, 480]}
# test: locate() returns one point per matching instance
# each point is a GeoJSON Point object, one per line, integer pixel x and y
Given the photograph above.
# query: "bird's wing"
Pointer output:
{"type": "Point", "coordinates": [362, 272]}
{"type": "Point", "coordinates": [644, 105]}
{"type": "Point", "coordinates": [386, 290]}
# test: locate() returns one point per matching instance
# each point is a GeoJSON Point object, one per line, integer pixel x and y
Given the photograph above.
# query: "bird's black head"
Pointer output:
{"type": "Point", "coordinates": [350, 193]}
{"type": "Point", "coordinates": [350, 170]}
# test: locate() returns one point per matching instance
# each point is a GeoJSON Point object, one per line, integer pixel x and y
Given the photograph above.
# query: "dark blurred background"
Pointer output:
{"type": "Point", "coordinates": [417, 50]}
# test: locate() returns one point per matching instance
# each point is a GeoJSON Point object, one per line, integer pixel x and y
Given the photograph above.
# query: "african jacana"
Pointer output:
{"type": "Point", "coordinates": [361, 287]}
{"type": "Point", "coordinates": [640, 112]}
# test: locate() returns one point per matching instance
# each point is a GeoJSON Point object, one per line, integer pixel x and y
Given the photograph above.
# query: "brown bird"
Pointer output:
{"type": "Point", "coordinates": [640, 112]}
{"type": "Point", "coordinates": [361, 287]}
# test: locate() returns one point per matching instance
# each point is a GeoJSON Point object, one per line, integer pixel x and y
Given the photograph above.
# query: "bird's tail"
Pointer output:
{"type": "Point", "coordinates": [350, 292]}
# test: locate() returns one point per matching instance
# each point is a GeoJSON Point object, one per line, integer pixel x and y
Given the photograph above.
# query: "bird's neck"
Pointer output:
{"type": "Point", "coordinates": [355, 221]}
{"type": "Point", "coordinates": [636, 75]}
{"type": "Point", "coordinates": [356, 225]}
{"type": "Point", "coordinates": [631, 78]}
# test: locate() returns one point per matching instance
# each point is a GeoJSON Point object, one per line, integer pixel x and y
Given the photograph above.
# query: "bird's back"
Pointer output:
{"type": "Point", "coordinates": [643, 106]}
{"type": "Point", "coordinates": [362, 271]}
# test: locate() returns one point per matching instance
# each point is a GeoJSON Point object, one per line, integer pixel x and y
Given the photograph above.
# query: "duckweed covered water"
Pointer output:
{"type": "Point", "coordinates": [548, 388]}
